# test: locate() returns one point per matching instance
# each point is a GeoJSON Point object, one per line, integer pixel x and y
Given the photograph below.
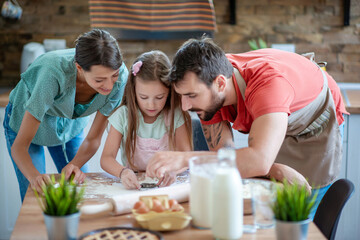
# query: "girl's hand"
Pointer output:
{"type": "Point", "coordinates": [37, 182]}
{"type": "Point", "coordinates": [168, 179]}
{"type": "Point", "coordinates": [71, 169]}
{"type": "Point", "coordinates": [129, 179]}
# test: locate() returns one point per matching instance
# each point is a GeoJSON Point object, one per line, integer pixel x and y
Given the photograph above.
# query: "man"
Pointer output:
{"type": "Point", "coordinates": [290, 108]}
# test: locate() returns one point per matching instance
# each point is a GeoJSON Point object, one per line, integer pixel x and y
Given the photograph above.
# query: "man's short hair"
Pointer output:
{"type": "Point", "coordinates": [202, 57]}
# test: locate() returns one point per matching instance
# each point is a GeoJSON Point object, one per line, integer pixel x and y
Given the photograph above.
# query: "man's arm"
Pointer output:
{"type": "Point", "coordinates": [266, 136]}
{"type": "Point", "coordinates": [218, 135]}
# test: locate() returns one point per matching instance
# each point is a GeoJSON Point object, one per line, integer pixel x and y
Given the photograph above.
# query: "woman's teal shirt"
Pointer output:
{"type": "Point", "coordinates": [47, 91]}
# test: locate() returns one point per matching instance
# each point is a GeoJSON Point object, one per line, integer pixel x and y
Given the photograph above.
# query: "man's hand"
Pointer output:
{"type": "Point", "coordinates": [71, 169]}
{"type": "Point", "coordinates": [281, 172]}
{"type": "Point", "coordinates": [38, 181]}
{"type": "Point", "coordinates": [129, 179]}
{"type": "Point", "coordinates": [168, 179]}
{"type": "Point", "coordinates": [166, 162]}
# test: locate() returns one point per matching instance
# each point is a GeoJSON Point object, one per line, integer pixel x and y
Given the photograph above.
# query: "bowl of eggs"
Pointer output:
{"type": "Point", "coordinates": [159, 213]}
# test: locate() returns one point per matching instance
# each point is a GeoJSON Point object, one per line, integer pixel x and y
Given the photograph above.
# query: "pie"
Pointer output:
{"type": "Point", "coordinates": [122, 234]}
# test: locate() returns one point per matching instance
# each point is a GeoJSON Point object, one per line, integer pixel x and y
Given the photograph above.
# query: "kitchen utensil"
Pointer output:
{"type": "Point", "coordinates": [148, 185]}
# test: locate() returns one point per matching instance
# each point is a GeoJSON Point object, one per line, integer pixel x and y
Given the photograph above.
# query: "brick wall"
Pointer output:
{"type": "Point", "coordinates": [312, 25]}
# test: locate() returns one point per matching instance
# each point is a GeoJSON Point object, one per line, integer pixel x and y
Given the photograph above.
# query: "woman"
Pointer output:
{"type": "Point", "coordinates": [50, 105]}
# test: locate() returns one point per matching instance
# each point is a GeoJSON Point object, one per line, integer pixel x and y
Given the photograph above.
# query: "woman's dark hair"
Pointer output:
{"type": "Point", "coordinates": [202, 57]}
{"type": "Point", "coordinates": [97, 47]}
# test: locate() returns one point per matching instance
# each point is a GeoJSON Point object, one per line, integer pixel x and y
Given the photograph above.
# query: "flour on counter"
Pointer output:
{"type": "Point", "coordinates": [105, 187]}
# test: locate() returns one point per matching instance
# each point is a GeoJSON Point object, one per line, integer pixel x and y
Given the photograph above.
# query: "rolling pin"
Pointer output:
{"type": "Point", "coordinates": [121, 204]}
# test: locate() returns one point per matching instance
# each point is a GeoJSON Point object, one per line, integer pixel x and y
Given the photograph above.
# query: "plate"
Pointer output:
{"type": "Point", "coordinates": [126, 232]}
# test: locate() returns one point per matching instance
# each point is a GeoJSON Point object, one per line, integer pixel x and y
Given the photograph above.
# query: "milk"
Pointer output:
{"type": "Point", "coordinates": [200, 200]}
{"type": "Point", "coordinates": [202, 171]}
{"type": "Point", "coordinates": [227, 199]}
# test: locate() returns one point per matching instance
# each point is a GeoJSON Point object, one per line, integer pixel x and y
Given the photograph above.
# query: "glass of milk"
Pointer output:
{"type": "Point", "coordinates": [202, 172]}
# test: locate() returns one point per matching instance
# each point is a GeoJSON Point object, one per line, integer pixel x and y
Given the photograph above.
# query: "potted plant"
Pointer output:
{"type": "Point", "coordinates": [255, 45]}
{"type": "Point", "coordinates": [291, 211]}
{"type": "Point", "coordinates": [59, 203]}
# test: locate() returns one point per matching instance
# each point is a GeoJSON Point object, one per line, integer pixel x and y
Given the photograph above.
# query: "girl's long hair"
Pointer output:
{"type": "Point", "coordinates": [155, 67]}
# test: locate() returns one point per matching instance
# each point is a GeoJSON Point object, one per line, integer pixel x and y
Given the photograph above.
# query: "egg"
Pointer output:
{"type": "Point", "coordinates": [143, 209]}
{"type": "Point", "coordinates": [156, 202]}
{"type": "Point", "coordinates": [138, 204]}
{"type": "Point", "coordinates": [176, 207]}
{"type": "Point", "coordinates": [172, 202]}
{"type": "Point", "coordinates": [158, 208]}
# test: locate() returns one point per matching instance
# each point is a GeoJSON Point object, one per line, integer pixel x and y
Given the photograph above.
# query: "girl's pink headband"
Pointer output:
{"type": "Point", "coordinates": [136, 67]}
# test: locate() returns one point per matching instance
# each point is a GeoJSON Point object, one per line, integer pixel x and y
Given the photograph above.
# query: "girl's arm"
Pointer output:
{"type": "Point", "coordinates": [182, 139]}
{"type": "Point", "coordinates": [20, 154]}
{"type": "Point", "coordinates": [182, 142]}
{"type": "Point", "coordinates": [87, 149]}
{"type": "Point", "coordinates": [109, 164]}
{"type": "Point", "coordinates": [108, 157]}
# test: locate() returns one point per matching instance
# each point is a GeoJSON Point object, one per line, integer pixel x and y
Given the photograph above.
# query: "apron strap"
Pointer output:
{"type": "Point", "coordinates": [241, 82]}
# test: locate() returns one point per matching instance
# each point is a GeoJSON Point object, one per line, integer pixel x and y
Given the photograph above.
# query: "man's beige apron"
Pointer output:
{"type": "Point", "coordinates": [312, 144]}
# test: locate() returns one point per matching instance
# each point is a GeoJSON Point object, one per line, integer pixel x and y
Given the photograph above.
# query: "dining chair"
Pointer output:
{"type": "Point", "coordinates": [328, 213]}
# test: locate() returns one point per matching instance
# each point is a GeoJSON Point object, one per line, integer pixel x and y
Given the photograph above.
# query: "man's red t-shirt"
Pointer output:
{"type": "Point", "coordinates": [276, 81]}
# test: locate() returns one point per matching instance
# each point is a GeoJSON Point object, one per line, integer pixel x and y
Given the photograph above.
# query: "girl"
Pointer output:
{"type": "Point", "coordinates": [149, 120]}
{"type": "Point", "coordinates": [48, 107]}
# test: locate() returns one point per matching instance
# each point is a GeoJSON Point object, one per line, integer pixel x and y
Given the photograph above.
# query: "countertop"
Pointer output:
{"type": "Point", "coordinates": [350, 93]}
{"type": "Point", "coordinates": [30, 222]}
{"type": "Point", "coordinates": [351, 96]}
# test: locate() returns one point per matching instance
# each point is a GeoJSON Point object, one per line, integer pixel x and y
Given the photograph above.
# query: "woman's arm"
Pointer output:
{"type": "Point", "coordinates": [87, 149]}
{"type": "Point", "coordinates": [108, 157]}
{"type": "Point", "coordinates": [20, 154]}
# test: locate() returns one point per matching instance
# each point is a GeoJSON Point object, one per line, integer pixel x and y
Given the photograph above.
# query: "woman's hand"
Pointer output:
{"type": "Point", "coordinates": [129, 179]}
{"type": "Point", "coordinates": [37, 182]}
{"type": "Point", "coordinates": [71, 169]}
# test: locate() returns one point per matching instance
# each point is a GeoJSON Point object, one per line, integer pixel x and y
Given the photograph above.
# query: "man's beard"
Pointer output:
{"type": "Point", "coordinates": [215, 106]}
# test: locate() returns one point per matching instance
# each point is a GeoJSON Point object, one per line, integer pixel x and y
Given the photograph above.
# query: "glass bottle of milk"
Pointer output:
{"type": "Point", "coordinates": [227, 196]}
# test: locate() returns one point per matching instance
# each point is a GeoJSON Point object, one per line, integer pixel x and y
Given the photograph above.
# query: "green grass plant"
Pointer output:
{"type": "Point", "coordinates": [255, 45]}
{"type": "Point", "coordinates": [293, 202]}
{"type": "Point", "coordinates": [60, 198]}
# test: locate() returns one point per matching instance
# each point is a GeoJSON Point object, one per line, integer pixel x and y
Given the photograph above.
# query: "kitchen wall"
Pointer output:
{"type": "Point", "coordinates": [310, 25]}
